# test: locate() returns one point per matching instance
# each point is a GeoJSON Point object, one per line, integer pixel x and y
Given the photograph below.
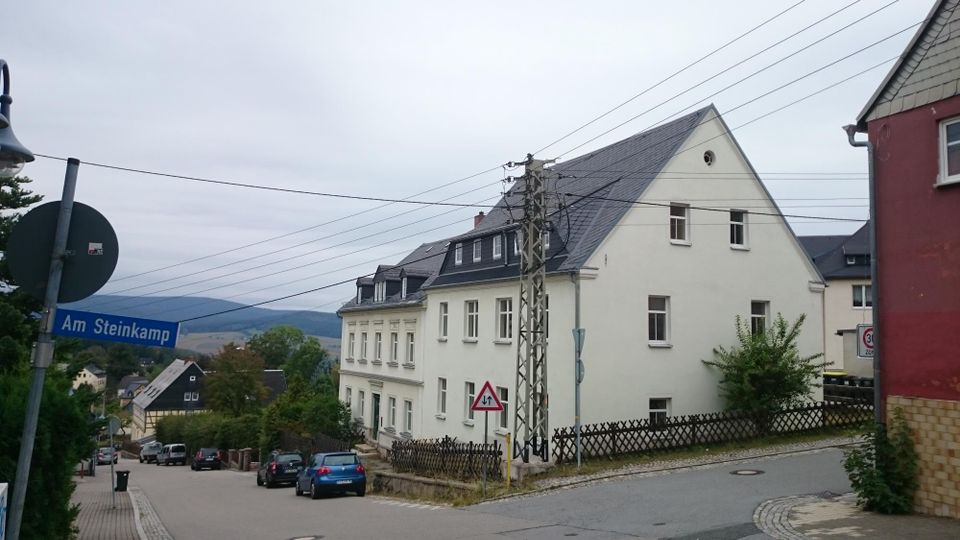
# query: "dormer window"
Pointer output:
{"type": "Point", "coordinates": [359, 294]}
{"type": "Point", "coordinates": [380, 291]}
{"type": "Point", "coordinates": [458, 254]}
{"type": "Point", "coordinates": [851, 260]}
{"type": "Point", "coordinates": [403, 288]}
{"type": "Point", "coordinates": [477, 250]}
{"type": "Point", "coordinates": [497, 247]}
{"type": "Point", "coordinates": [516, 243]}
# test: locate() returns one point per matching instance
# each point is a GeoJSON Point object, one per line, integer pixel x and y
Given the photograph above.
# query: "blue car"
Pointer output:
{"type": "Point", "coordinates": [337, 472]}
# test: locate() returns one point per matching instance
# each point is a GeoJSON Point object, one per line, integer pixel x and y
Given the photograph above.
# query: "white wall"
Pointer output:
{"type": "Point", "coordinates": [839, 314]}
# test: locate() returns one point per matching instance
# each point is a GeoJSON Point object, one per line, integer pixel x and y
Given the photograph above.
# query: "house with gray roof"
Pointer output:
{"type": "Point", "coordinates": [844, 262]}
{"type": "Point", "coordinates": [668, 235]}
{"type": "Point", "coordinates": [176, 390]}
{"type": "Point", "coordinates": [92, 376]}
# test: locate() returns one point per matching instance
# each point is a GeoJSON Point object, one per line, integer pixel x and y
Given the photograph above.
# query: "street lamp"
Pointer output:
{"type": "Point", "coordinates": [13, 155]}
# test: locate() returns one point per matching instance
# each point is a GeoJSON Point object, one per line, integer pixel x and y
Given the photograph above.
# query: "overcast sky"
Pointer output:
{"type": "Point", "coordinates": [395, 100]}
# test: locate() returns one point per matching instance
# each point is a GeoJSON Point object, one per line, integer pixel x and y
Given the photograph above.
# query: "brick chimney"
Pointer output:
{"type": "Point", "coordinates": [477, 219]}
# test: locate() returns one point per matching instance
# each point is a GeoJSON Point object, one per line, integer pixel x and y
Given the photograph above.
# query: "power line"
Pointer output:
{"type": "Point", "coordinates": [675, 73]}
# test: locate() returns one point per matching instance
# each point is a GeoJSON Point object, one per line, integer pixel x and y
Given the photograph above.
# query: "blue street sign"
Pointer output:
{"type": "Point", "coordinates": [81, 324]}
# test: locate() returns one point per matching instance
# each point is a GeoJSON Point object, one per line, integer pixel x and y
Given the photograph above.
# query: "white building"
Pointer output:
{"type": "Point", "coordinates": [670, 235]}
{"type": "Point", "coordinates": [92, 376]}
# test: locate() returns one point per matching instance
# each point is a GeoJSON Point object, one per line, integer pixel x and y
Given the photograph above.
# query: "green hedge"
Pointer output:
{"type": "Point", "coordinates": [207, 430]}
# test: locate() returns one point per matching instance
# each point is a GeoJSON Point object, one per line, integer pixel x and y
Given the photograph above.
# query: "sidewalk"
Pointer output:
{"type": "Point", "coordinates": [98, 519]}
{"type": "Point", "coordinates": [831, 516]}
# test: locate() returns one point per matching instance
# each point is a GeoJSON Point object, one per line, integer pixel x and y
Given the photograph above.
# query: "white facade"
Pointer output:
{"type": "Point", "coordinates": [702, 283]}
{"type": "Point", "coordinates": [97, 381]}
{"type": "Point", "coordinates": [840, 313]}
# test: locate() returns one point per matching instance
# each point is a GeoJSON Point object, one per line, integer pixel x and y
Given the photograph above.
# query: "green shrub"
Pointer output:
{"type": "Point", "coordinates": [883, 470]}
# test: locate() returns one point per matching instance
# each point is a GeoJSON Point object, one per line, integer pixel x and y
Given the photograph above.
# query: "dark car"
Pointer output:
{"type": "Point", "coordinates": [338, 472]}
{"type": "Point", "coordinates": [206, 458]}
{"type": "Point", "coordinates": [279, 468]}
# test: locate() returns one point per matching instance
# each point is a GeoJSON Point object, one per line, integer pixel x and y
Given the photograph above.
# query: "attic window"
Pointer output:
{"type": "Point", "coordinates": [193, 378]}
{"type": "Point", "coordinates": [709, 157]}
{"type": "Point", "coordinates": [851, 260]}
{"type": "Point", "coordinates": [403, 288]}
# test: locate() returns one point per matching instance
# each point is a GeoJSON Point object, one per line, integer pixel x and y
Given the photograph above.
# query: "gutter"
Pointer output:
{"type": "Point", "coordinates": [874, 268]}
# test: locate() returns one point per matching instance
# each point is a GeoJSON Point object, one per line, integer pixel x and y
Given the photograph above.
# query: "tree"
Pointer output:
{"type": "Point", "coordinates": [277, 345]}
{"type": "Point", "coordinates": [235, 385]}
{"type": "Point", "coordinates": [305, 361]}
{"type": "Point", "coordinates": [120, 362]}
{"type": "Point", "coordinates": [766, 373]}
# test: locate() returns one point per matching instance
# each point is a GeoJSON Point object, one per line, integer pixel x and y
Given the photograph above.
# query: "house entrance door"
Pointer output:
{"type": "Point", "coordinates": [375, 411]}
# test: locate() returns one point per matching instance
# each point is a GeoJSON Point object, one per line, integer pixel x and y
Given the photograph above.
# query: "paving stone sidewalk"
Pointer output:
{"type": "Point", "coordinates": [98, 519]}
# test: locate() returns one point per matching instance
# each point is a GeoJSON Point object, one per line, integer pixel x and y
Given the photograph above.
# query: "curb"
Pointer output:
{"type": "Point", "coordinates": [148, 523]}
{"type": "Point", "coordinates": [773, 516]}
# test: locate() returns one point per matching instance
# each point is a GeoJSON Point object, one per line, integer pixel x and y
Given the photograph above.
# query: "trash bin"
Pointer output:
{"type": "Point", "coordinates": [122, 477]}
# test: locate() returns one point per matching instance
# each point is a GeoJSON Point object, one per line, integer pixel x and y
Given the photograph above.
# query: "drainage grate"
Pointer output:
{"type": "Point", "coordinates": [746, 472]}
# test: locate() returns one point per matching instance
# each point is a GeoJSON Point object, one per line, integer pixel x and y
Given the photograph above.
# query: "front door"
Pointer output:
{"type": "Point", "coordinates": [375, 411]}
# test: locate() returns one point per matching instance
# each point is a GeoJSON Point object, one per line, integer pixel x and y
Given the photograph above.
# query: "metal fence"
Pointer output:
{"type": "Point", "coordinates": [636, 436]}
{"type": "Point", "coordinates": [446, 458]}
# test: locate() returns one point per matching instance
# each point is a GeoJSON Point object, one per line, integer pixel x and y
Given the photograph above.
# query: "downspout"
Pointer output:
{"type": "Point", "coordinates": [578, 334]}
{"type": "Point", "coordinates": [874, 266]}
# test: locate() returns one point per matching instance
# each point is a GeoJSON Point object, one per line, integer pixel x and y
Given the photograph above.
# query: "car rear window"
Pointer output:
{"type": "Point", "coordinates": [178, 448]}
{"type": "Point", "coordinates": [208, 451]}
{"type": "Point", "coordinates": [344, 459]}
{"type": "Point", "coordinates": [284, 459]}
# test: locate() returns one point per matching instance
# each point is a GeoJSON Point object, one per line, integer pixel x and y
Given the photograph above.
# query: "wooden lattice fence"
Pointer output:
{"type": "Point", "coordinates": [636, 436]}
{"type": "Point", "coordinates": [446, 458]}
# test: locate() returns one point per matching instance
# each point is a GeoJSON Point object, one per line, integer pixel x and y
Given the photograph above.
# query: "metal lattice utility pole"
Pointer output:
{"type": "Point", "coordinates": [531, 414]}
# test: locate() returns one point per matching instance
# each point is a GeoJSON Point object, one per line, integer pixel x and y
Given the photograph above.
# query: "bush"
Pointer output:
{"type": "Point", "coordinates": [883, 470]}
{"type": "Point", "coordinates": [209, 430]}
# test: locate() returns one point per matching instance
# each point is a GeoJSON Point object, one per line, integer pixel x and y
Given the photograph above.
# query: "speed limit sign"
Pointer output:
{"type": "Point", "coordinates": [865, 340]}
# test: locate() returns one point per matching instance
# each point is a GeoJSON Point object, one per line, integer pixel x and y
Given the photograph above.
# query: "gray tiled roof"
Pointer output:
{"type": "Point", "coordinates": [829, 253]}
{"type": "Point", "coordinates": [928, 69]}
{"type": "Point", "coordinates": [162, 382]}
{"type": "Point", "coordinates": [423, 261]}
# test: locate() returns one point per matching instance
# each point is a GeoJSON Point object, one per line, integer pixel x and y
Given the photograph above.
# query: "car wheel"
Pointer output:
{"type": "Point", "coordinates": [141, 460]}
{"type": "Point", "coordinates": [296, 489]}
{"type": "Point", "coordinates": [314, 494]}
{"type": "Point", "coordinates": [259, 480]}
{"type": "Point", "coordinates": [362, 491]}
{"type": "Point", "coordinates": [270, 484]}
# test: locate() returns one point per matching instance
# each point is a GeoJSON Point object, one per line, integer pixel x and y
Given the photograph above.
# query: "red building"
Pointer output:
{"type": "Point", "coordinates": [913, 124]}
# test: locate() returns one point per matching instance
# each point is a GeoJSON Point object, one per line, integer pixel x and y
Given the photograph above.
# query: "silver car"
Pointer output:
{"type": "Point", "coordinates": [172, 453]}
{"type": "Point", "coordinates": [150, 451]}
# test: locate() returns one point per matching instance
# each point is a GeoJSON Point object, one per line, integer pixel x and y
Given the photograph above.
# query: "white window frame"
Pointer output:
{"type": "Point", "coordinates": [517, 240]}
{"type": "Point", "coordinates": [546, 316]}
{"type": "Point", "coordinates": [680, 224]}
{"type": "Point", "coordinates": [407, 416]}
{"type": "Point", "coordinates": [653, 315]}
{"type": "Point", "coordinates": [351, 340]}
{"type": "Point", "coordinates": [442, 396]}
{"type": "Point", "coordinates": [361, 403]}
{"type": "Point", "coordinates": [504, 319]}
{"type": "Point", "coordinates": [659, 415]}
{"type": "Point", "coordinates": [477, 250]}
{"type": "Point", "coordinates": [363, 345]}
{"type": "Point", "coordinates": [411, 347]}
{"type": "Point", "coordinates": [546, 239]}
{"type": "Point", "coordinates": [380, 291]}
{"type": "Point", "coordinates": [497, 247]}
{"type": "Point", "coordinates": [378, 346]}
{"type": "Point", "coordinates": [392, 412]}
{"type": "Point", "coordinates": [359, 294]}
{"type": "Point", "coordinates": [196, 396]}
{"type": "Point", "coordinates": [348, 397]}
{"type": "Point", "coordinates": [471, 320]}
{"type": "Point", "coordinates": [193, 378]}
{"type": "Point", "coordinates": [944, 178]}
{"type": "Point", "coordinates": [851, 260]}
{"type": "Point", "coordinates": [444, 320]}
{"type": "Point", "coordinates": [763, 318]}
{"type": "Point", "coordinates": [186, 396]}
{"type": "Point", "coordinates": [469, 394]}
{"type": "Point", "coordinates": [503, 417]}
{"type": "Point", "coordinates": [394, 346]}
{"type": "Point", "coordinates": [403, 287]}
{"type": "Point", "coordinates": [864, 297]}
{"type": "Point", "coordinates": [458, 254]}
{"type": "Point", "coordinates": [742, 225]}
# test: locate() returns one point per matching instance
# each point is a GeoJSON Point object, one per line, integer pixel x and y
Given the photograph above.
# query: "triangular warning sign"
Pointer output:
{"type": "Point", "coordinates": [486, 400]}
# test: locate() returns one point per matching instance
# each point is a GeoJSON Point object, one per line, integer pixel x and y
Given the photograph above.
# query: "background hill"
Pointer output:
{"type": "Point", "coordinates": [176, 308]}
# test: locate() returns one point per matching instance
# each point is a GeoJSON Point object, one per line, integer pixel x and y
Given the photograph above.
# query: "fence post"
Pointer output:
{"type": "Point", "coordinates": [693, 429]}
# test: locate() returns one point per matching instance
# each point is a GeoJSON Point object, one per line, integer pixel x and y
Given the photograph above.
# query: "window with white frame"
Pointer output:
{"type": "Point", "coordinates": [361, 403]}
{"type": "Point", "coordinates": [186, 396]}
{"type": "Point", "coordinates": [546, 240]}
{"type": "Point", "coordinates": [471, 319]}
{"type": "Point", "coordinates": [504, 318]}
{"type": "Point", "coordinates": [444, 318]}
{"type": "Point", "coordinates": [477, 250]}
{"type": "Point", "coordinates": [410, 348]}
{"type": "Point", "coordinates": [359, 294]}
{"type": "Point", "coordinates": [407, 415]}
{"type": "Point", "coordinates": [516, 242]}
{"type": "Point", "coordinates": [363, 345]}
{"type": "Point", "coordinates": [759, 313]}
{"type": "Point", "coordinates": [658, 319]}
{"type": "Point", "coordinates": [458, 254]}
{"type": "Point", "coordinates": [392, 412]}
{"type": "Point", "coordinates": [949, 151]}
{"type": "Point", "coordinates": [380, 291]}
{"type": "Point", "coordinates": [862, 296]}
{"type": "Point", "coordinates": [403, 287]}
{"type": "Point", "coordinates": [193, 378]}
{"type": "Point", "coordinates": [442, 396]}
{"type": "Point", "coordinates": [196, 396]}
{"type": "Point", "coordinates": [679, 222]}
{"type": "Point", "coordinates": [497, 247]}
{"type": "Point", "coordinates": [504, 415]}
{"type": "Point", "coordinates": [469, 393]}
{"type": "Point", "coordinates": [348, 397]}
{"type": "Point", "coordinates": [394, 346]}
{"type": "Point", "coordinates": [378, 346]}
{"type": "Point", "coordinates": [350, 344]}
{"type": "Point", "coordinates": [738, 228]}
{"type": "Point", "coordinates": [659, 411]}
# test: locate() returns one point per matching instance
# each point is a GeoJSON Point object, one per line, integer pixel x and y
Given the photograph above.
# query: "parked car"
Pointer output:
{"type": "Point", "coordinates": [172, 453]}
{"type": "Point", "coordinates": [106, 454]}
{"type": "Point", "coordinates": [338, 472]}
{"type": "Point", "coordinates": [149, 451]}
{"type": "Point", "coordinates": [206, 458]}
{"type": "Point", "coordinates": [279, 468]}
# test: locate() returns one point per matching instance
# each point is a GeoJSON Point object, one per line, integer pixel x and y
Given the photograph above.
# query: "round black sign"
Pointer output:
{"type": "Point", "coordinates": [92, 251]}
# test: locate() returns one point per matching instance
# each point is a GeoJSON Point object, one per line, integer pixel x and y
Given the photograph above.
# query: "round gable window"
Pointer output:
{"type": "Point", "coordinates": [709, 157]}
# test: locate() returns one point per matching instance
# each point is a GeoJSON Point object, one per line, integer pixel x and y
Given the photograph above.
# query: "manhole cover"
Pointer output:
{"type": "Point", "coordinates": [746, 472]}
{"type": "Point", "coordinates": [308, 537]}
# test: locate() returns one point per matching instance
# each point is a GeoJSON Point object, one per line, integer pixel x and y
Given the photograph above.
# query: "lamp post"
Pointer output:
{"type": "Point", "coordinates": [13, 155]}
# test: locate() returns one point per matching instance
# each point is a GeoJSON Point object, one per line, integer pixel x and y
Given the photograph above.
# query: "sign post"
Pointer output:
{"type": "Point", "coordinates": [486, 401]}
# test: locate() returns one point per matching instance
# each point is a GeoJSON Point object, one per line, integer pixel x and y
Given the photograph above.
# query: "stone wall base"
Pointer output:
{"type": "Point", "coordinates": [936, 432]}
{"type": "Point", "coordinates": [420, 487]}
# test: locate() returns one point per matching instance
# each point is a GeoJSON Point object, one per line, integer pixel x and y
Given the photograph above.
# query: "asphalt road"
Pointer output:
{"type": "Point", "coordinates": [705, 503]}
